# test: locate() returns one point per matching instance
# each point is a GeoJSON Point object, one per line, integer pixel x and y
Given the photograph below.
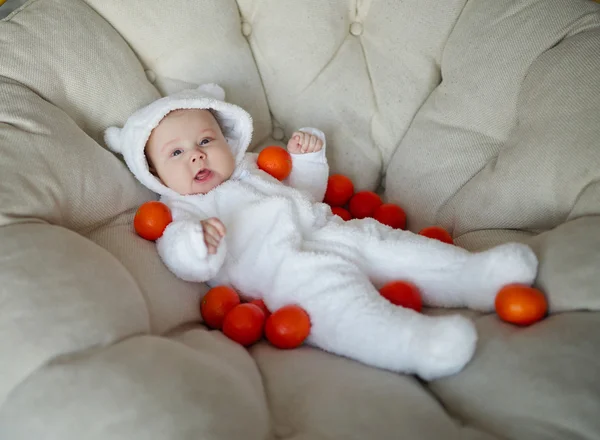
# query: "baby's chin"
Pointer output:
{"type": "Point", "coordinates": [199, 191]}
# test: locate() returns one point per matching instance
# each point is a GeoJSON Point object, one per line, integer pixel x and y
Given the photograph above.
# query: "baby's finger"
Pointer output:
{"type": "Point", "coordinates": [214, 226]}
{"type": "Point", "coordinates": [313, 143]}
{"type": "Point", "coordinates": [299, 136]}
{"type": "Point", "coordinates": [211, 243]}
{"type": "Point", "coordinates": [292, 146]}
{"type": "Point", "coordinates": [309, 143]}
{"type": "Point", "coordinates": [318, 145]}
{"type": "Point", "coordinates": [211, 249]}
{"type": "Point", "coordinates": [213, 233]}
{"type": "Point", "coordinates": [218, 225]}
{"type": "Point", "coordinates": [305, 142]}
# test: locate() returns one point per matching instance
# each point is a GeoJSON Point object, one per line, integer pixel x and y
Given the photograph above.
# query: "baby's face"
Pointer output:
{"type": "Point", "coordinates": [189, 152]}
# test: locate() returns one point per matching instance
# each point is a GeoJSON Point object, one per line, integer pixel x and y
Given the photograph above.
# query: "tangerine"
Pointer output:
{"type": "Point", "coordinates": [216, 304]}
{"type": "Point", "coordinates": [275, 161]}
{"type": "Point", "coordinates": [339, 190]}
{"type": "Point", "coordinates": [344, 213]}
{"type": "Point", "coordinates": [391, 215]}
{"type": "Point", "coordinates": [151, 219]}
{"type": "Point", "coordinates": [288, 327]}
{"type": "Point", "coordinates": [403, 293]}
{"type": "Point", "coordinates": [520, 304]}
{"type": "Point", "coordinates": [244, 324]}
{"type": "Point", "coordinates": [437, 233]}
{"type": "Point", "coordinates": [363, 204]}
{"type": "Point", "coordinates": [261, 304]}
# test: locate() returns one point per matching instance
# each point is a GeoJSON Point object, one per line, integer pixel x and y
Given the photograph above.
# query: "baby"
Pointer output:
{"type": "Point", "coordinates": [234, 224]}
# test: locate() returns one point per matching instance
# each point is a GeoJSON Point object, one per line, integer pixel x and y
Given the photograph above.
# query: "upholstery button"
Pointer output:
{"type": "Point", "coordinates": [278, 134]}
{"type": "Point", "coordinates": [150, 75]}
{"type": "Point", "coordinates": [356, 28]}
{"type": "Point", "coordinates": [246, 29]}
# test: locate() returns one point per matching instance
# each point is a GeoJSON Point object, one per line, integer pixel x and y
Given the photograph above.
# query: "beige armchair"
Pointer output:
{"type": "Point", "coordinates": [481, 116]}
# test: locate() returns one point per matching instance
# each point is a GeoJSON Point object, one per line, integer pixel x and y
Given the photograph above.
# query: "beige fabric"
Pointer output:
{"type": "Point", "coordinates": [359, 70]}
{"type": "Point", "coordinates": [56, 172]}
{"type": "Point", "coordinates": [494, 145]}
{"type": "Point", "coordinates": [144, 387]}
{"type": "Point", "coordinates": [315, 395]}
{"type": "Point", "coordinates": [489, 135]}
{"type": "Point", "coordinates": [538, 383]}
{"type": "Point", "coordinates": [190, 44]}
{"type": "Point", "coordinates": [60, 294]}
{"type": "Point", "coordinates": [62, 73]}
{"type": "Point", "coordinates": [98, 340]}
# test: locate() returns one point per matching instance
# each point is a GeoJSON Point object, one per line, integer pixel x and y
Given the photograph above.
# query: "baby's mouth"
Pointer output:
{"type": "Point", "coordinates": [203, 175]}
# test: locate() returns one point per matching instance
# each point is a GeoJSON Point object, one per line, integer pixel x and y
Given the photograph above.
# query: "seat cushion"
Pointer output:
{"type": "Point", "coordinates": [55, 171]}
{"type": "Point", "coordinates": [506, 147]}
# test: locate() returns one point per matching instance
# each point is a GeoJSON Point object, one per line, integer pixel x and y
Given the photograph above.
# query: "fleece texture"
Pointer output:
{"type": "Point", "coordinates": [285, 246]}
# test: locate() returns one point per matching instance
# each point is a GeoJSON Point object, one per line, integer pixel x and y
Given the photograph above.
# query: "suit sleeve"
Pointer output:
{"type": "Point", "coordinates": [310, 171]}
{"type": "Point", "coordinates": [183, 251]}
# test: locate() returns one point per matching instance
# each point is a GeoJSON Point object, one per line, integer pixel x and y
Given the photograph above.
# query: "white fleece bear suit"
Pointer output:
{"type": "Point", "coordinates": [283, 245]}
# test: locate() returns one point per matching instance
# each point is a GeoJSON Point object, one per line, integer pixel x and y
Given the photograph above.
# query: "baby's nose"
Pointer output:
{"type": "Point", "coordinates": [198, 155]}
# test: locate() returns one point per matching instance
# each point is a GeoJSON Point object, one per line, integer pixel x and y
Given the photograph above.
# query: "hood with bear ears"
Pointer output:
{"type": "Point", "coordinates": [130, 140]}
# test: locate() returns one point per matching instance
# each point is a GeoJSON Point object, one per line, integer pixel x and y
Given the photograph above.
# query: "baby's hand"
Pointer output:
{"type": "Point", "coordinates": [301, 143]}
{"type": "Point", "coordinates": [214, 231]}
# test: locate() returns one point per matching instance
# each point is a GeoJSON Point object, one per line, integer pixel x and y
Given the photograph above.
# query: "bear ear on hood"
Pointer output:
{"type": "Point", "coordinates": [213, 91]}
{"type": "Point", "coordinates": [112, 138]}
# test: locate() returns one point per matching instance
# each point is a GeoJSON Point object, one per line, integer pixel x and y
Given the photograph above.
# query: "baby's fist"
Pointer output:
{"type": "Point", "coordinates": [214, 231]}
{"type": "Point", "coordinates": [302, 142]}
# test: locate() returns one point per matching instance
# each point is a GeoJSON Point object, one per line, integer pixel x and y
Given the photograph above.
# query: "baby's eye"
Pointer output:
{"type": "Point", "coordinates": [177, 152]}
{"type": "Point", "coordinates": [204, 142]}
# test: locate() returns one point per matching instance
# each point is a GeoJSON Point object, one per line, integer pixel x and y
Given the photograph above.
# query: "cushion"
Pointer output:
{"type": "Point", "coordinates": [485, 155]}
{"type": "Point", "coordinates": [59, 117]}
{"type": "Point", "coordinates": [480, 116]}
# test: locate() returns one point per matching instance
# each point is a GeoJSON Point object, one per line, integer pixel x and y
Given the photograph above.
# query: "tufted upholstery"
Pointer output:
{"type": "Point", "coordinates": [482, 116]}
